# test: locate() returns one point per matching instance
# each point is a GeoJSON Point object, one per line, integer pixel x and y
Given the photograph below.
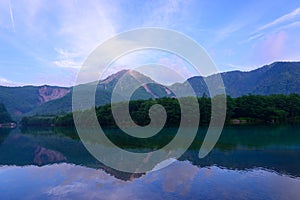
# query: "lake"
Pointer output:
{"type": "Point", "coordinates": [248, 162]}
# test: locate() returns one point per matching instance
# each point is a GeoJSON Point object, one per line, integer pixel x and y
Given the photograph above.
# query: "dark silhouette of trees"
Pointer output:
{"type": "Point", "coordinates": [250, 108]}
{"type": "Point", "coordinates": [4, 115]}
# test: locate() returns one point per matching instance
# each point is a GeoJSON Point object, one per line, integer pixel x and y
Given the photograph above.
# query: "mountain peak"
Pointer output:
{"type": "Point", "coordinates": [276, 78]}
{"type": "Point", "coordinates": [128, 72]}
{"type": "Point", "coordinates": [117, 75]}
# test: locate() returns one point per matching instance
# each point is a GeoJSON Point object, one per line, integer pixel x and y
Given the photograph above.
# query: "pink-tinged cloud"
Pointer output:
{"type": "Point", "coordinates": [178, 65]}
{"type": "Point", "coordinates": [271, 48]}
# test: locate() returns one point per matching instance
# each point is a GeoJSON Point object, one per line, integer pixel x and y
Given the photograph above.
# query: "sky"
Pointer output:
{"type": "Point", "coordinates": [47, 41]}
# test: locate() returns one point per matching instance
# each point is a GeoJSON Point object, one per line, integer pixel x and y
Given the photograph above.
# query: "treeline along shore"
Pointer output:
{"type": "Point", "coordinates": [5, 118]}
{"type": "Point", "coordinates": [247, 109]}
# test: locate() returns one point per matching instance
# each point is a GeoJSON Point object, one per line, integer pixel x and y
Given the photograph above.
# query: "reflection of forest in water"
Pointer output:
{"type": "Point", "coordinates": [239, 147]}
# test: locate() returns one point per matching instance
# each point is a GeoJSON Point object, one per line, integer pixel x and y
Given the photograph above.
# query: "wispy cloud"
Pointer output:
{"type": "Point", "coordinates": [226, 31]}
{"type": "Point", "coordinates": [280, 20]}
{"type": "Point", "coordinates": [12, 17]}
{"type": "Point", "coordinates": [83, 31]}
{"type": "Point", "coordinates": [54, 39]}
{"type": "Point", "coordinates": [253, 37]}
{"type": "Point", "coordinates": [291, 25]}
{"type": "Point", "coordinates": [257, 36]}
{"type": "Point", "coordinates": [6, 82]}
{"type": "Point", "coordinates": [63, 33]}
{"type": "Point", "coordinates": [67, 63]}
{"type": "Point", "coordinates": [286, 21]}
{"type": "Point", "coordinates": [163, 13]}
{"type": "Point", "coordinates": [67, 59]}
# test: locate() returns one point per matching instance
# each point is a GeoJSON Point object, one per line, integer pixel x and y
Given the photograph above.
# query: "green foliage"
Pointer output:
{"type": "Point", "coordinates": [38, 121]}
{"type": "Point", "coordinates": [273, 108]}
{"type": "Point", "coordinates": [19, 99]}
{"type": "Point", "coordinates": [4, 115]}
{"type": "Point", "coordinates": [22, 100]}
{"type": "Point", "coordinates": [64, 120]}
{"type": "Point", "coordinates": [252, 108]}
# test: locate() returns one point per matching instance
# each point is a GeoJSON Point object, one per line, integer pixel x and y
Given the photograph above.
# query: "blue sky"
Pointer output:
{"type": "Point", "coordinates": [46, 41]}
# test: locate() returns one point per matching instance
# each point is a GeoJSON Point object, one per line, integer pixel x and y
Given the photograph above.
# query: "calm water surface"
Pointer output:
{"type": "Point", "coordinates": [247, 163]}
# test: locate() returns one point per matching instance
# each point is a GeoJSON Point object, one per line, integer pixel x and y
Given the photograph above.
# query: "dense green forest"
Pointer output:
{"type": "Point", "coordinates": [250, 109]}
{"type": "Point", "coordinates": [4, 115]}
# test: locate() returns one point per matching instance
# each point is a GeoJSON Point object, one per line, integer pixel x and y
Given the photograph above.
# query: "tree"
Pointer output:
{"type": "Point", "coordinates": [4, 115]}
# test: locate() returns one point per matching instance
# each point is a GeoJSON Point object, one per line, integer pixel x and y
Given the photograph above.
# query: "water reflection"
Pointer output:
{"type": "Point", "coordinates": [242, 148]}
{"type": "Point", "coordinates": [247, 163]}
{"type": "Point", "coordinates": [181, 180]}
{"type": "Point", "coordinates": [3, 134]}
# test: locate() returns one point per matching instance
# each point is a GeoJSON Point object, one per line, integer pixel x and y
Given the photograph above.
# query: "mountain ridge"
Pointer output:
{"type": "Point", "coordinates": [276, 78]}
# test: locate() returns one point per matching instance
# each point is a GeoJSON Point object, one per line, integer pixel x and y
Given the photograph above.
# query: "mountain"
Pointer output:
{"type": "Point", "coordinates": [127, 79]}
{"type": "Point", "coordinates": [276, 78]}
{"type": "Point", "coordinates": [21, 100]}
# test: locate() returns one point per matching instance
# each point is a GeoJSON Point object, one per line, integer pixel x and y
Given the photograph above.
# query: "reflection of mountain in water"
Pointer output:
{"type": "Point", "coordinates": [242, 148]}
{"type": "Point", "coordinates": [181, 180]}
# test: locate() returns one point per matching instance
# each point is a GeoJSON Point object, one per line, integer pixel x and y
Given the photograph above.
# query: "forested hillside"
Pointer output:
{"type": "Point", "coordinates": [4, 115]}
{"type": "Point", "coordinates": [250, 109]}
